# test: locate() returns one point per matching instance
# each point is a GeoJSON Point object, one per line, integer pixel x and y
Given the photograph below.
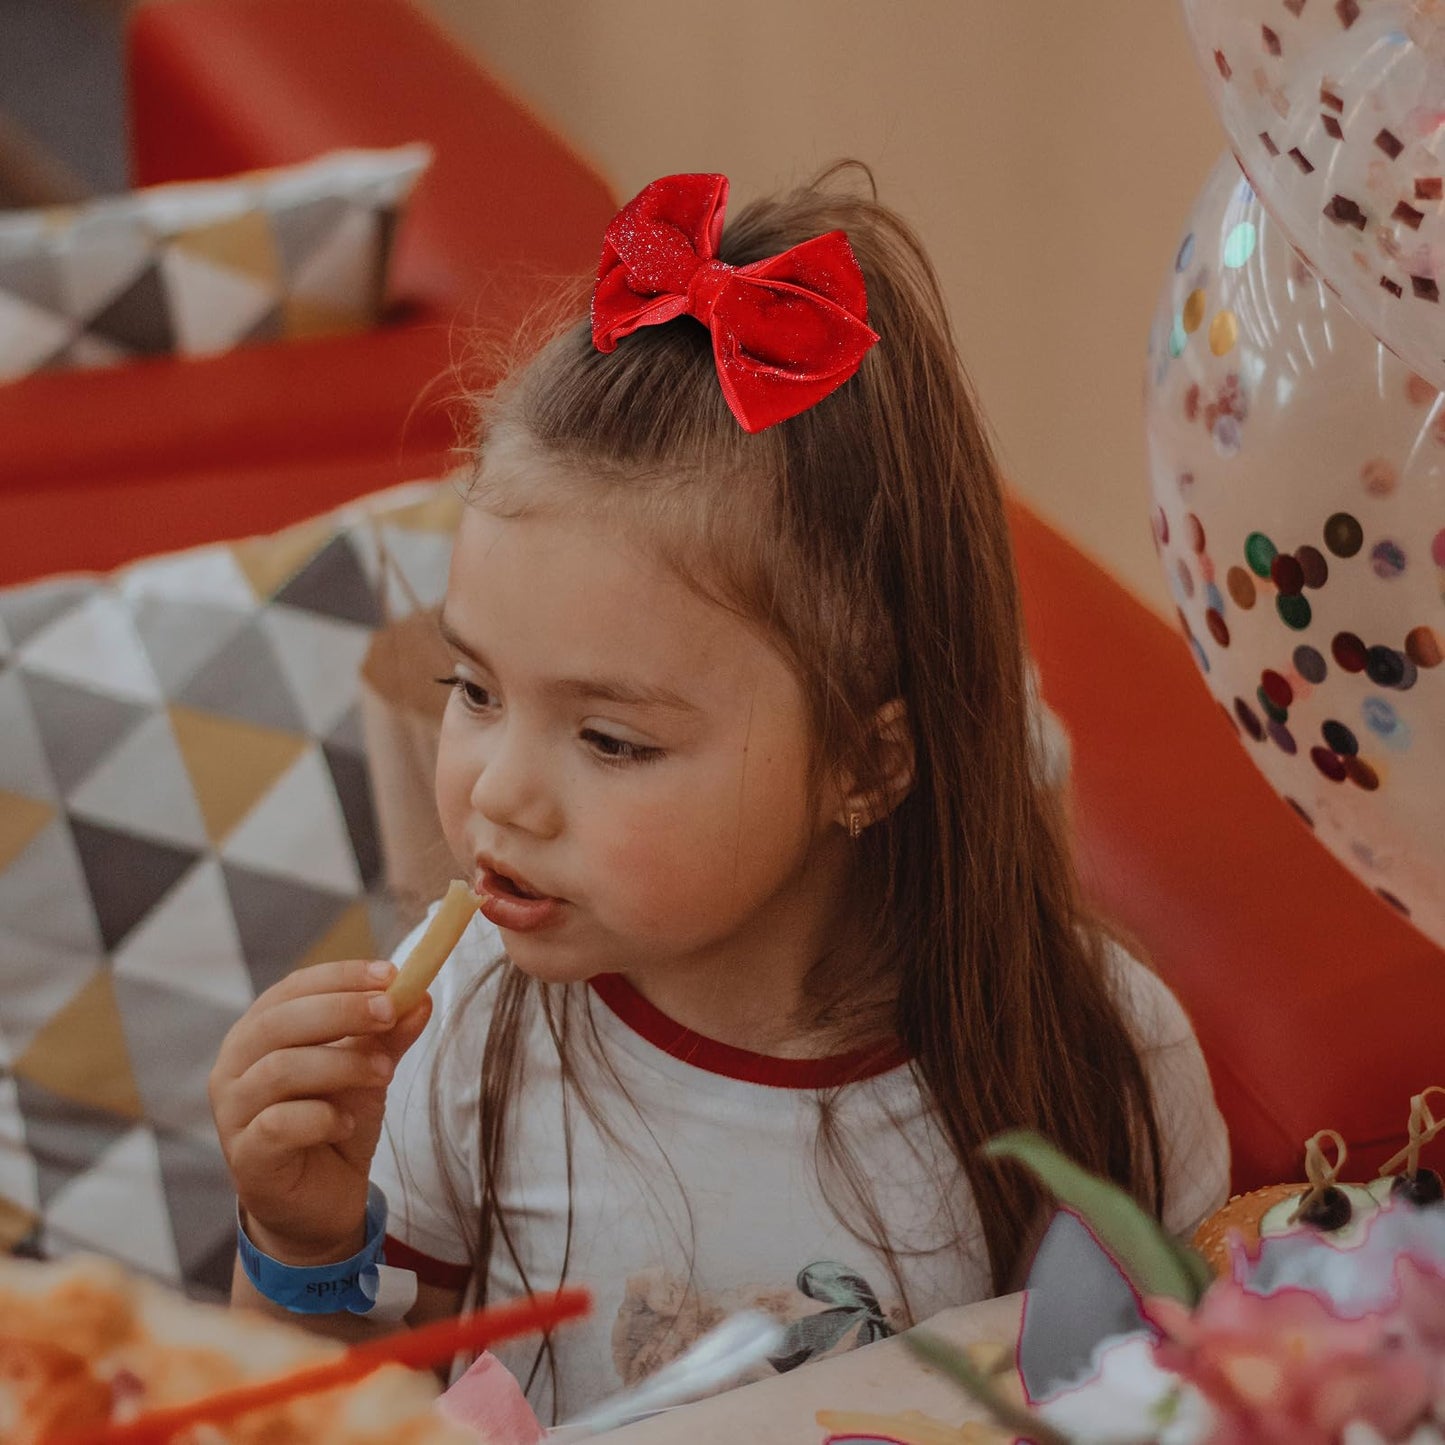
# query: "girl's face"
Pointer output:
{"type": "Point", "coordinates": [634, 757]}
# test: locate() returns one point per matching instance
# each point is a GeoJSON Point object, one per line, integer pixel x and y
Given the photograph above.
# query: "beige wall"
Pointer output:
{"type": "Point", "coordinates": [1048, 151]}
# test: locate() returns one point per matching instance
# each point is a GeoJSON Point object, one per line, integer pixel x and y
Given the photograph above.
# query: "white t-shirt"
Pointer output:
{"type": "Point", "coordinates": [703, 1196]}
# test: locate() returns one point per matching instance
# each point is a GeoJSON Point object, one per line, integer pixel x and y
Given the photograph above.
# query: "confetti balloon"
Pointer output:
{"type": "Point", "coordinates": [1298, 474]}
{"type": "Point", "coordinates": [1336, 110]}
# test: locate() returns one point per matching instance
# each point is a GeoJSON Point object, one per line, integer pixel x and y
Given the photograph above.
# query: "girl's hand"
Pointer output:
{"type": "Point", "coordinates": [297, 1092]}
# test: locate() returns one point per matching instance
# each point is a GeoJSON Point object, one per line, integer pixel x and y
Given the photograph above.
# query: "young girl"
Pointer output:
{"type": "Point", "coordinates": [780, 922]}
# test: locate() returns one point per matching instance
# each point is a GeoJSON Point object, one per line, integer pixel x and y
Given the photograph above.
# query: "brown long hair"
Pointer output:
{"type": "Point", "coordinates": [868, 536]}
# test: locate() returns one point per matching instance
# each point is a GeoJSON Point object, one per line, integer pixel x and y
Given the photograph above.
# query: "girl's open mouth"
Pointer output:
{"type": "Point", "coordinates": [513, 907]}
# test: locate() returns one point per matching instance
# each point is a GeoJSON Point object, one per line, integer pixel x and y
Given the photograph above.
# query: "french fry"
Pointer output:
{"type": "Point", "coordinates": [433, 948]}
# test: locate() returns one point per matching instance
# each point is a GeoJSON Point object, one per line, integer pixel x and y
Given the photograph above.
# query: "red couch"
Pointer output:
{"type": "Point", "coordinates": [1316, 1005]}
{"type": "Point", "coordinates": [98, 467]}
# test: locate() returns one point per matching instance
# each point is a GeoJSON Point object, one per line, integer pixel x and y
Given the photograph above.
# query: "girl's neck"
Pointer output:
{"type": "Point", "coordinates": [761, 995]}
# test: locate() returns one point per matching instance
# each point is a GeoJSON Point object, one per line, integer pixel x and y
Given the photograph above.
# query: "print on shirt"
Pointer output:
{"type": "Point", "coordinates": [663, 1314]}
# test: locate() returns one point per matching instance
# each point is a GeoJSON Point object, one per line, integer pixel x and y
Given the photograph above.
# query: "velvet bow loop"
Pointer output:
{"type": "Point", "coordinates": [786, 331]}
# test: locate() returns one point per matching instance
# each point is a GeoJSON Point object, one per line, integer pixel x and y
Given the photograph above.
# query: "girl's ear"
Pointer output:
{"type": "Point", "coordinates": [894, 773]}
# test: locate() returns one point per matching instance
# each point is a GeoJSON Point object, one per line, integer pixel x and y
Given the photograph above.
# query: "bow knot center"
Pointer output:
{"type": "Point", "coordinates": [705, 287]}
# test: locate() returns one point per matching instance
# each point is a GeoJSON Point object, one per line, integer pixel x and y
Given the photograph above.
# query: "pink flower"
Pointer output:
{"type": "Point", "coordinates": [1285, 1369]}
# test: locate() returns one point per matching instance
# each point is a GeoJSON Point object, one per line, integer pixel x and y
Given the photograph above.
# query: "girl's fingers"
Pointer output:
{"type": "Point", "coordinates": [286, 1129]}
{"type": "Point", "coordinates": [300, 1073]}
{"type": "Point", "coordinates": [297, 1022]}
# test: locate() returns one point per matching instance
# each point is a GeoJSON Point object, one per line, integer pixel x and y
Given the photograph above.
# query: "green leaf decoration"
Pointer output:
{"type": "Point", "coordinates": [957, 1366]}
{"type": "Point", "coordinates": [1150, 1260]}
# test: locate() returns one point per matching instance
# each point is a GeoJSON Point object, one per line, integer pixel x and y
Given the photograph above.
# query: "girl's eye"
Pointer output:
{"type": "Point", "coordinates": [475, 698]}
{"type": "Point", "coordinates": [616, 752]}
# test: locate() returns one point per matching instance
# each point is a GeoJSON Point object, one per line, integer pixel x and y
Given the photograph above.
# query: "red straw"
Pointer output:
{"type": "Point", "coordinates": [419, 1348]}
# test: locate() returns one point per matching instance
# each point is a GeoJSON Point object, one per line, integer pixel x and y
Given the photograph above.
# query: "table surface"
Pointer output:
{"type": "Point", "coordinates": [880, 1379]}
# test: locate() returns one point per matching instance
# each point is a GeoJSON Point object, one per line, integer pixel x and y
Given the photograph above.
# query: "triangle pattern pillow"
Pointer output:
{"type": "Point", "coordinates": [197, 268]}
{"type": "Point", "coordinates": [187, 813]}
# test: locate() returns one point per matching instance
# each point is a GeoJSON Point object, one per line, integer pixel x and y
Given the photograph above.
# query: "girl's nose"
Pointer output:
{"type": "Point", "coordinates": [511, 788]}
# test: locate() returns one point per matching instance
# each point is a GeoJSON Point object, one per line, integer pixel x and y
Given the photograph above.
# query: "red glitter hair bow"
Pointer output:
{"type": "Point", "coordinates": [785, 331]}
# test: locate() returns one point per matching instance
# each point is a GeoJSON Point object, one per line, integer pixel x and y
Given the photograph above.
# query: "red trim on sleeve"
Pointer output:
{"type": "Point", "coordinates": [692, 1048]}
{"type": "Point", "coordinates": [439, 1272]}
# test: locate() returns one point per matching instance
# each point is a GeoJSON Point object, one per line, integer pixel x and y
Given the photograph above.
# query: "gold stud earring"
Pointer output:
{"type": "Point", "coordinates": [855, 825]}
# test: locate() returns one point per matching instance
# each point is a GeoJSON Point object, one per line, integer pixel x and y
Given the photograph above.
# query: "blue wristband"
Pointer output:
{"type": "Point", "coordinates": [322, 1289]}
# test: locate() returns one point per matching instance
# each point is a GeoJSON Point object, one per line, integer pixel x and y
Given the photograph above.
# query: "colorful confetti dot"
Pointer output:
{"type": "Point", "coordinates": [1192, 317]}
{"type": "Point", "coordinates": [1223, 333]}
{"type": "Point", "coordinates": [1380, 477]}
{"type": "Point", "coordinates": [1310, 665]}
{"type": "Point", "coordinates": [1272, 709]}
{"type": "Point", "coordinates": [1277, 689]}
{"type": "Point", "coordinates": [1178, 338]}
{"type": "Point", "coordinates": [1339, 738]}
{"type": "Point", "coordinates": [1388, 560]}
{"type": "Point", "coordinates": [1186, 579]}
{"type": "Point", "coordinates": [1329, 763]}
{"type": "Point", "coordinates": [1248, 719]}
{"type": "Point", "coordinates": [1343, 535]}
{"type": "Point", "coordinates": [1384, 666]}
{"type": "Point", "coordinates": [1241, 588]}
{"type": "Point", "coordinates": [1380, 716]}
{"type": "Point", "coordinates": [1361, 774]}
{"type": "Point", "coordinates": [1283, 739]}
{"type": "Point", "coordinates": [1312, 563]}
{"type": "Point", "coordinates": [1218, 627]}
{"type": "Point", "coordinates": [1228, 438]}
{"type": "Point", "coordinates": [1294, 612]}
{"type": "Point", "coordinates": [1437, 548]}
{"type": "Point", "coordinates": [1239, 244]}
{"type": "Point", "coordinates": [1300, 813]}
{"type": "Point", "coordinates": [1260, 553]}
{"type": "Point", "coordinates": [1423, 648]}
{"type": "Point", "coordinates": [1196, 532]}
{"type": "Point", "coordinates": [1200, 656]}
{"type": "Point", "coordinates": [1350, 652]}
{"type": "Point", "coordinates": [1185, 254]}
{"type": "Point", "coordinates": [1287, 574]}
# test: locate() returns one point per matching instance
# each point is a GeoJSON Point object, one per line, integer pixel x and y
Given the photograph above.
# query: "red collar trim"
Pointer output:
{"type": "Point", "coordinates": [733, 1063]}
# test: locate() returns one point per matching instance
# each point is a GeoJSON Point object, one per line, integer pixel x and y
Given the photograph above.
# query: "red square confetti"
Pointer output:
{"type": "Point", "coordinates": [1425, 288]}
{"type": "Point", "coordinates": [1409, 215]}
{"type": "Point", "coordinates": [1332, 126]}
{"type": "Point", "coordinates": [1271, 40]}
{"type": "Point", "coordinates": [1393, 287]}
{"type": "Point", "coordinates": [1301, 160]}
{"type": "Point", "coordinates": [1222, 61]}
{"type": "Point", "coordinates": [1268, 143]}
{"type": "Point", "coordinates": [1330, 98]}
{"type": "Point", "coordinates": [1430, 188]}
{"type": "Point", "coordinates": [1348, 11]}
{"type": "Point", "coordinates": [1390, 143]}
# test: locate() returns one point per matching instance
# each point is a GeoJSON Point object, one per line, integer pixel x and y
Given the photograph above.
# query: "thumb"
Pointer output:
{"type": "Point", "coordinates": [407, 1029]}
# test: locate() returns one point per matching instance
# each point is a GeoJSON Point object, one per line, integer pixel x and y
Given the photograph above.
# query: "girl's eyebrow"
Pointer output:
{"type": "Point", "coordinates": [599, 689]}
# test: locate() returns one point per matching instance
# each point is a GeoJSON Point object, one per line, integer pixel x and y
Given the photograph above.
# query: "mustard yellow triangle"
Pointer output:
{"type": "Point", "coordinates": [270, 562]}
{"type": "Point", "coordinates": [81, 1054]}
{"type": "Point", "coordinates": [301, 318]}
{"type": "Point", "coordinates": [20, 820]}
{"type": "Point", "coordinates": [349, 937]}
{"type": "Point", "coordinates": [15, 1223]}
{"type": "Point", "coordinates": [244, 243]}
{"type": "Point", "coordinates": [232, 764]}
{"type": "Point", "coordinates": [439, 512]}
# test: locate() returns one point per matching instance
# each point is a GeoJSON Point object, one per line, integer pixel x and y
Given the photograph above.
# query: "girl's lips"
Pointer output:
{"type": "Point", "coordinates": [508, 909]}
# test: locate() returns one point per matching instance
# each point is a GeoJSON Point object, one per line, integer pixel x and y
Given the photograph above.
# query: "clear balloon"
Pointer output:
{"type": "Point", "coordinates": [1298, 473]}
{"type": "Point", "coordinates": [1336, 110]}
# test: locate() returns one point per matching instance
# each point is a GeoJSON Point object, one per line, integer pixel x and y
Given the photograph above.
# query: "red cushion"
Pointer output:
{"type": "Point", "coordinates": [1317, 1006]}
